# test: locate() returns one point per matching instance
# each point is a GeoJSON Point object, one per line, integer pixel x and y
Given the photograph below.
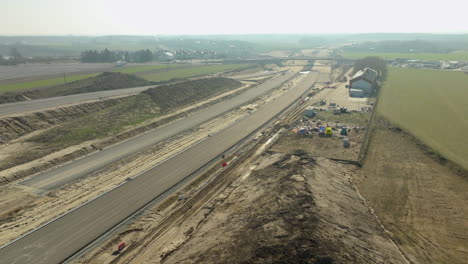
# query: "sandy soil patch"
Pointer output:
{"type": "Point", "coordinates": [421, 202]}
{"type": "Point", "coordinates": [286, 209]}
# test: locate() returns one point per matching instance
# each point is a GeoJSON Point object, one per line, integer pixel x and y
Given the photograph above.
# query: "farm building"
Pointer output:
{"type": "Point", "coordinates": [363, 80]}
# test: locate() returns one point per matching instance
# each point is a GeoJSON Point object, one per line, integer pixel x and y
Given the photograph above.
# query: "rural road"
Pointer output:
{"type": "Point", "coordinates": [82, 167]}
{"type": "Point", "coordinates": [11, 109]}
{"type": "Point", "coordinates": [61, 238]}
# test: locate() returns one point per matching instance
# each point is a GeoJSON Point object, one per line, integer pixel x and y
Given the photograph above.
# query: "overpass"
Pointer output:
{"type": "Point", "coordinates": [296, 58]}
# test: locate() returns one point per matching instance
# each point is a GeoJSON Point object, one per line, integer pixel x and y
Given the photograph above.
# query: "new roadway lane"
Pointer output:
{"type": "Point", "coordinates": [66, 235]}
{"type": "Point", "coordinates": [12, 109]}
{"type": "Point", "coordinates": [82, 167]}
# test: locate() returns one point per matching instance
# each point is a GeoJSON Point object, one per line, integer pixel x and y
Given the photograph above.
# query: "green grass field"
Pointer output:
{"type": "Point", "coordinates": [161, 76]}
{"type": "Point", "coordinates": [190, 72]}
{"type": "Point", "coordinates": [417, 56]}
{"type": "Point", "coordinates": [43, 83]}
{"type": "Point", "coordinates": [60, 80]}
{"type": "Point", "coordinates": [144, 68]}
{"type": "Point", "coordinates": [432, 105]}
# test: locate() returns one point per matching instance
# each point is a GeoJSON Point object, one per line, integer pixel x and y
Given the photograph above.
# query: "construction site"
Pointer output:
{"type": "Point", "coordinates": [262, 164]}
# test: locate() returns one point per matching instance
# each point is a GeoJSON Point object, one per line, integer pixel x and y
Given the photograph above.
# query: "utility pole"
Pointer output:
{"type": "Point", "coordinates": [64, 78]}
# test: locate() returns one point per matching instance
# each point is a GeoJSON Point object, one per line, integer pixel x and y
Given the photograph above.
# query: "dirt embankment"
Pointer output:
{"type": "Point", "coordinates": [285, 213]}
{"type": "Point", "coordinates": [104, 81]}
{"type": "Point", "coordinates": [281, 208]}
{"type": "Point", "coordinates": [12, 128]}
{"type": "Point", "coordinates": [420, 200]}
{"type": "Point", "coordinates": [170, 96]}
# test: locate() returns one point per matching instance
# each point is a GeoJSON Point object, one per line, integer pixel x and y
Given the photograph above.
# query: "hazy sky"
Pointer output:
{"type": "Point", "coordinates": [145, 17]}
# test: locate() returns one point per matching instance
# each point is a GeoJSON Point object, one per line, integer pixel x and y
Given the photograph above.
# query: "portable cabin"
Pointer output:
{"type": "Point", "coordinates": [310, 112]}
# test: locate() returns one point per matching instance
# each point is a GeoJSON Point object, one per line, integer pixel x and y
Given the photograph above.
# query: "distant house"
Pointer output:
{"type": "Point", "coordinates": [120, 63]}
{"type": "Point", "coordinates": [364, 80]}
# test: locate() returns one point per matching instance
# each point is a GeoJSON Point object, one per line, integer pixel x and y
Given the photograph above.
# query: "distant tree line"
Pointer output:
{"type": "Point", "coordinates": [107, 55]}
{"type": "Point", "coordinates": [146, 55]}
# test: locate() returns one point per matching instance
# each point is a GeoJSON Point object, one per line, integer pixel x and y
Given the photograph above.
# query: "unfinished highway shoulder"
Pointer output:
{"type": "Point", "coordinates": [59, 239]}
{"type": "Point", "coordinates": [82, 167]}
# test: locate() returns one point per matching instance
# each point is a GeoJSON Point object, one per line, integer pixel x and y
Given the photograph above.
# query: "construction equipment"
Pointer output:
{"type": "Point", "coordinates": [344, 131]}
{"type": "Point", "coordinates": [346, 143]}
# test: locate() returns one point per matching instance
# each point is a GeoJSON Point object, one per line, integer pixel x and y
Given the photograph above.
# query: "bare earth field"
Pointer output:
{"type": "Point", "coordinates": [419, 201]}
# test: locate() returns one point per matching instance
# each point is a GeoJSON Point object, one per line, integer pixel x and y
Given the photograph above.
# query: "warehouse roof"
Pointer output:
{"type": "Point", "coordinates": [367, 74]}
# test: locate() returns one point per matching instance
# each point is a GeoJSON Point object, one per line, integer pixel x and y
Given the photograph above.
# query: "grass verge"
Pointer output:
{"type": "Point", "coordinates": [156, 77]}
{"type": "Point", "coordinates": [44, 83]}
{"type": "Point", "coordinates": [145, 68]}
{"type": "Point", "coordinates": [191, 72]}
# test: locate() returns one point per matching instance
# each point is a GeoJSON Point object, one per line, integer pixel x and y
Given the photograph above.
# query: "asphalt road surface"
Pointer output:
{"type": "Point", "coordinates": [82, 167]}
{"type": "Point", "coordinates": [12, 109]}
{"type": "Point", "coordinates": [63, 237]}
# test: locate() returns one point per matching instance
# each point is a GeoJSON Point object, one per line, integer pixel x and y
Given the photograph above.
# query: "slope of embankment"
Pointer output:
{"type": "Point", "coordinates": [104, 81]}
{"type": "Point", "coordinates": [61, 128]}
{"type": "Point", "coordinates": [179, 94]}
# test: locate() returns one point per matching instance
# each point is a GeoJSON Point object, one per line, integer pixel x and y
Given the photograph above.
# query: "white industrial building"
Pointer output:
{"type": "Point", "coordinates": [365, 81]}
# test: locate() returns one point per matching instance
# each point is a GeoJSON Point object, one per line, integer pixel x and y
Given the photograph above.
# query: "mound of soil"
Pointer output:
{"type": "Point", "coordinates": [102, 82]}
{"type": "Point", "coordinates": [291, 209]}
{"type": "Point", "coordinates": [183, 93]}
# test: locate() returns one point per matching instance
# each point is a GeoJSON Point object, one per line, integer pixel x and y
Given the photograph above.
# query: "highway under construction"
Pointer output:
{"type": "Point", "coordinates": [62, 237]}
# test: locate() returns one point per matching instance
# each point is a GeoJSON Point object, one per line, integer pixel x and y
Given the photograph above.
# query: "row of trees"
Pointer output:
{"type": "Point", "coordinates": [113, 56]}
{"type": "Point", "coordinates": [146, 55]}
